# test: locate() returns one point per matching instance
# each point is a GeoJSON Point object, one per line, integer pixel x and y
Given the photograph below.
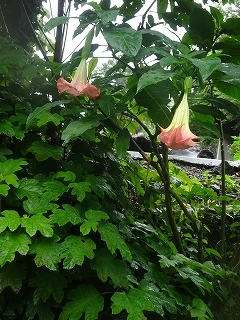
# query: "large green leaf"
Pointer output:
{"type": "Point", "coordinates": [206, 65]}
{"type": "Point", "coordinates": [77, 128]}
{"type": "Point", "coordinates": [107, 266]}
{"type": "Point", "coordinates": [134, 302]}
{"type": "Point", "coordinates": [10, 243]}
{"type": "Point", "coordinates": [80, 189]}
{"type": "Point", "coordinates": [85, 299]}
{"type": "Point", "coordinates": [47, 252]}
{"type": "Point", "coordinates": [47, 283]}
{"type": "Point", "coordinates": [231, 26]}
{"type": "Point", "coordinates": [122, 142]}
{"type": "Point", "coordinates": [54, 22]}
{"type": "Point", "coordinates": [74, 249]}
{"type": "Point", "coordinates": [36, 114]}
{"type": "Point", "coordinates": [161, 7]}
{"type": "Point", "coordinates": [107, 16]}
{"type": "Point", "coordinates": [159, 299]}
{"type": "Point", "coordinates": [12, 165]}
{"type": "Point", "coordinates": [65, 215]}
{"type": "Point", "coordinates": [37, 223]}
{"type": "Point", "coordinates": [110, 234]}
{"type": "Point", "coordinates": [93, 218]}
{"type": "Point", "coordinates": [123, 39]}
{"type": "Point", "coordinates": [39, 205]}
{"type": "Point", "coordinates": [201, 33]}
{"type": "Point", "coordinates": [153, 77]}
{"type": "Point", "coordinates": [200, 310]}
{"type": "Point", "coordinates": [10, 219]}
{"type": "Point", "coordinates": [224, 104]}
{"type": "Point", "coordinates": [42, 151]}
{"type": "Point", "coordinates": [155, 98]}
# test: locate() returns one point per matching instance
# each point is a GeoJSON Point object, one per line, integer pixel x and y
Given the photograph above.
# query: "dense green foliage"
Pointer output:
{"type": "Point", "coordinates": [87, 232]}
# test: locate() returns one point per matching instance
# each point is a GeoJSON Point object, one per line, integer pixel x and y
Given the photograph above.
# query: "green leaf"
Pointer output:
{"type": "Point", "coordinates": [42, 151]}
{"type": "Point", "coordinates": [47, 283]}
{"type": "Point", "coordinates": [54, 22]}
{"type": "Point", "coordinates": [80, 189]}
{"type": "Point", "coordinates": [36, 114]}
{"type": "Point", "coordinates": [155, 98]}
{"type": "Point", "coordinates": [107, 266]}
{"type": "Point", "coordinates": [38, 205]}
{"type": "Point", "coordinates": [200, 310]}
{"type": "Point", "coordinates": [85, 299]}
{"type": "Point", "coordinates": [4, 189]}
{"type": "Point", "coordinates": [201, 33]}
{"type": "Point", "coordinates": [110, 234]}
{"type": "Point", "coordinates": [12, 275]}
{"type": "Point", "coordinates": [65, 215]}
{"type": "Point", "coordinates": [124, 39]}
{"type": "Point", "coordinates": [6, 128]}
{"type": "Point", "coordinates": [206, 65]}
{"type": "Point", "coordinates": [208, 110]}
{"type": "Point", "coordinates": [66, 175]}
{"type": "Point", "coordinates": [161, 7]}
{"type": "Point", "coordinates": [11, 166]}
{"type": "Point", "coordinates": [134, 302]}
{"type": "Point", "coordinates": [41, 311]}
{"type": "Point", "coordinates": [77, 128]}
{"type": "Point", "coordinates": [10, 243]}
{"type": "Point", "coordinates": [10, 219]}
{"type": "Point", "coordinates": [228, 89]}
{"type": "Point", "coordinates": [93, 218]}
{"type": "Point", "coordinates": [74, 249]}
{"type": "Point", "coordinates": [153, 77]}
{"type": "Point", "coordinates": [47, 252]}
{"type": "Point", "coordinates": [47, 117]}
{"type": "Point", "coordinates": [122, 142]}
{"type": "Point", "coordinates": [27, 188]}
{"type": "Point", "coordinates": [37, 223]}
{"type": "Point", "coordinates": [92, 65]}
{"type": "Point", "coordinates": [99, 186]}
{"type": "Point", "coordinates": [107, 104]}
{"type": "Point", "coordinates": [159, 299]}
{"type": "Point", "coordinates": [107, 16]}
{"type": "Point", "coordinates": [231, 26]}
{"type": "Point", "coordinates": [55, 188]}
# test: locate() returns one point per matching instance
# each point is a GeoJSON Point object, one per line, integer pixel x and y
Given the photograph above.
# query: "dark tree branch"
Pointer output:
{"type": "Point", "coordinates": [59, 36]}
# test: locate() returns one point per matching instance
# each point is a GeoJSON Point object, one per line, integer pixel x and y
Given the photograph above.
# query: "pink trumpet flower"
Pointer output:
{"type": "Point", "coordinates": [178, 135]}
{"type": "Point", "coordinates": [79, 84]}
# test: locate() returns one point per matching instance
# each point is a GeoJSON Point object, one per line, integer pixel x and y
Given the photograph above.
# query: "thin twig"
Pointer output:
{"type": "Point", "coordinates": [144, 15]}
{"type": "Point", "coordinates": [223, 194]}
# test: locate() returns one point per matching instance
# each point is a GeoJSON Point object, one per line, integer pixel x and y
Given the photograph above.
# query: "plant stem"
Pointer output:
{"type": "Point", "coordinates": [223, 194]}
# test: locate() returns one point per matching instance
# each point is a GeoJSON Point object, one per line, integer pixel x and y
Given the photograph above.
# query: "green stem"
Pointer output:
{"type": "Point", "coordinates": [223, 194]}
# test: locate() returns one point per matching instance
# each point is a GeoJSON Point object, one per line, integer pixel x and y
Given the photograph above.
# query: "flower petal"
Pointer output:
{"type": "Point", "coordinates": [90, 91]}
{"type": "Point", "coordinates": [63, 85]}
{"type": "Point", "coordinates": [178, 138]}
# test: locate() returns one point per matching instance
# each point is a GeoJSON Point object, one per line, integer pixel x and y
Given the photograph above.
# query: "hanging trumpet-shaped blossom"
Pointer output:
{"type": "Point", "coordinates": [79, 84]}
{"type": "Point", "coordinates": [178, 135]}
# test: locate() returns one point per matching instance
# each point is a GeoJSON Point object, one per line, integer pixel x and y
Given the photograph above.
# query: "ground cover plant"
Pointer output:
{"type": "Point", "coordinates": [86, 231]}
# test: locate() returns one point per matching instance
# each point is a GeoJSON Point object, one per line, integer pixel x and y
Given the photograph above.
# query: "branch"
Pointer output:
{"type": "Point", "coordinates": [59, 36]}
{"type": "Point", "coordinates": [144, 15]}
{"type": "Point", "coordinates": [223, 193]}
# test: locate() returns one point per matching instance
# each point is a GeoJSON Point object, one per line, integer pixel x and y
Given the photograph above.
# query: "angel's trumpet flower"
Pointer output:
{"type": "Point", "coordinates": [178, 135]}
{"type": "Point", "coordinates": [79, 84]}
